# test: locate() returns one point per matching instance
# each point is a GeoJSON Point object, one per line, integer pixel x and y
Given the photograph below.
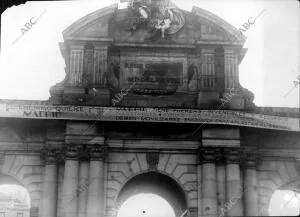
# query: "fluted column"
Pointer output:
{"type": "Point", "coordinates": [250, 186]}
{"type": "Point", "coordinates": [70, 183]}
{"type": "Point", "coordinates": [50, 185]}
{"type": "Point", "coordinates": [234, 191]}
{"type": "Point", "coordinates": [209, 182]}
{"type": "Point", "coordinates": [95, 205]}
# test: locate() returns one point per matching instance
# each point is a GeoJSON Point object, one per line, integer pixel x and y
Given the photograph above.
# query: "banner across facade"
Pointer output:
{"type": "Point", "coordinates": [224, 117]}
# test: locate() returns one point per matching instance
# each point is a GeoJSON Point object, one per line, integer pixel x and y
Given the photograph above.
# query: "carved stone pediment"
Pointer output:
{"type": "Point", "coordinates": [150, 54]}
{"type": "Point", "coordinates": [143, 23]}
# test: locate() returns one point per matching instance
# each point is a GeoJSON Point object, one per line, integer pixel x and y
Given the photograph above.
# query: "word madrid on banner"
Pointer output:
{"type": "Point", "coordinates": [228, 117]}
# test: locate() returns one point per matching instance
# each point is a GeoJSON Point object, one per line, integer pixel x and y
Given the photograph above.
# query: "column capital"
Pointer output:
{"type": "Point", "coordinates": [208, 155]}
{"type": "Point", "coordinates": [84, 154]}
{"type": "Point", "coordinates": [232, 155]}
{"type": "Point", "coordinates": [250, 158]}
{"type": "Point", "coordinates": [50, 155]}
{"type": "Point", "coordinates": [72, 151]}
{"type": "Point", "coordinates": [97, 152]}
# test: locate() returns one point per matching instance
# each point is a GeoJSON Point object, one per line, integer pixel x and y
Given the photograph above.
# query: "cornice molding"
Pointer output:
{"type": "Point", "coordinates": [77, 25]}
{"type": "Point", "coordinates": [204, 14]}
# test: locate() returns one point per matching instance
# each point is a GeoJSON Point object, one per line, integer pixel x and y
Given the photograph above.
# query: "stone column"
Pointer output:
{"type": "Point", "coordinates": [234, 191]}
{"type": "Point", "coordinates": [70, 183]}
{"type": "Point", "coordinates": [83, 185]}
{"type": "Point", "coordinates": [221, 184]}
{"type": "Point", "coordinates": [95, 202]}
{"type": "Point", "coordinates": [50, 185]}
{"type": "Point", "coordinates": [250, 186]}
{"type": "Point", "coordinates": [209, 182]}
{"type": "Point", "coordinates": [199, 187]}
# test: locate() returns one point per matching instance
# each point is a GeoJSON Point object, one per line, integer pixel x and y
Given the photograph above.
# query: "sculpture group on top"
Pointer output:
{"type": "Point", "coordinates": [164, 18]}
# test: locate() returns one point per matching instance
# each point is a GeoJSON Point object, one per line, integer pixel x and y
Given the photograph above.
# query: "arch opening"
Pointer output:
{"type": "Point", "coordinates": [153, 187]}
{"type": "Point", "coordinates": [284, 203]}
{"type": "Point", "coordinates": [14, 201]}
{"type": "Point", "coordinates": [14, 198]}
{"type": "Point", "coordinates": [146, 205]}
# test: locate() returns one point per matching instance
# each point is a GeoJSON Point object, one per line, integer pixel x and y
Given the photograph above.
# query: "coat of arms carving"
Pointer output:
{"type": "Point", "coordinates": [156, 15]}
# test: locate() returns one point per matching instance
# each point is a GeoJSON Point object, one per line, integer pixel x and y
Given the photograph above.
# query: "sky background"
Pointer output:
{"type": "Point", "coordinates": [30, 66]}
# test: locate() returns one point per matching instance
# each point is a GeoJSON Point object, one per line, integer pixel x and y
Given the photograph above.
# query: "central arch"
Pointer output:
{"type": "Point", "coordinates": [158, 184]}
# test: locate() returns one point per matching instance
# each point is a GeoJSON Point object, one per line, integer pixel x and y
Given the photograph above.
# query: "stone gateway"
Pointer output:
{"type": "Point", "coordinates": [151, 103]}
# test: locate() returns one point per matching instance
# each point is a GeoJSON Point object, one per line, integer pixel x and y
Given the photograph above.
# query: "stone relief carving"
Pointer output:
{"type": "Point", "coordinates": [157, 18]}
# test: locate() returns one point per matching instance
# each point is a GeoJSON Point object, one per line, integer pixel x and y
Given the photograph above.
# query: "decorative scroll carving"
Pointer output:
{"type": "Point", "coordinates": [232, 155]}
{"type": "Point", "coordinates": [152, 160]}
{"type": "Point", "coordinates": [250, 158]}
{"type": "Point", "coordinates": [50, 155]}
{"type": "Point", "coordinates": [209, 155]}
{"type": "Point", "coordinates": [97, 152]}
{"type": "Point", "coordinates": [72, 151]}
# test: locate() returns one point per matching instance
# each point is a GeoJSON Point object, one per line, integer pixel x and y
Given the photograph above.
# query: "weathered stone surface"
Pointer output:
{"type": "Point", "coordinates": [118, 64]}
